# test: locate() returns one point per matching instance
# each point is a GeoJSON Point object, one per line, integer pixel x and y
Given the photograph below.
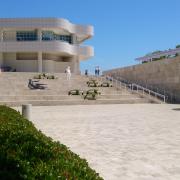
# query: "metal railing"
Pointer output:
{"type": "Point", "coordinates": [134, 88]}
{"type": "Point", "coordinates": [144, 91]}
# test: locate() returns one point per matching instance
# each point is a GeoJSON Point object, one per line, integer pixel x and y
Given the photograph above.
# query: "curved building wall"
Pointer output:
{"type": "Point", "coordinates": [31, 65]}
{"type": "Point", "coordinates": [55, 23]}
{"type": "Point", "coordinates": [54, 36]}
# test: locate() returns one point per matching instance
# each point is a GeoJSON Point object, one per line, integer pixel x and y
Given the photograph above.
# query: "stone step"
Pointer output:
{"type": "Point", "coordinates": [35, 97]}
{"type": "Point", "coordinates": [14, 90]}
{"type": "Point", "coordinates": [76, 102]}
{"type": "Point", "coordinates": [60, 97]}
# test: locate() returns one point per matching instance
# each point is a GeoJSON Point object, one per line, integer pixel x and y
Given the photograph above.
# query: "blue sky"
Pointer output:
{"type": "Point", "coordinates": [124, 29]}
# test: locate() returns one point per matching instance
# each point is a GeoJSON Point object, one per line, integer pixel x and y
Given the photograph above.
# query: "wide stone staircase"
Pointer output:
{"type": "Point", "coordinates": [14, 91]}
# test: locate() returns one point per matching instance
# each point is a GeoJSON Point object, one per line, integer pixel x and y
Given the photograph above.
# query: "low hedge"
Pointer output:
{"type": "Point", "coordinates": [96, 91]}
{"type": "Point", "coordinates": [92, 94]}
{"type": "Point", "coordinates": [75, 92]}
{"type": "Point", "coordinates": [92, 83]}
{"type": "Point", "coordinates": [44, 76]}
{"type": "Point", "coordinates": [26, 153]}
{"type": "Point", "coordinates": [106, 84]}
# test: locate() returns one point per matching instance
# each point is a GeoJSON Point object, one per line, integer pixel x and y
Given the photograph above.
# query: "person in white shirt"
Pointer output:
{"type": "Point", "coordinates": [68, 73]}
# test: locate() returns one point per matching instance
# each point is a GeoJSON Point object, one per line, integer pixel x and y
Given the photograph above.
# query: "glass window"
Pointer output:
{"type": "Point", "coordinates": [47, 36]}
{"type": "Point", "coordinates": [50, 36]}
{"type": "Point", "coordinates": [26, 36]}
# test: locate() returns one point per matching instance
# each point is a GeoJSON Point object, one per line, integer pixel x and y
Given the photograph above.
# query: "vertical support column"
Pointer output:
{"type": "Point", "coordinates": [1, 59]}
{"type": "Point", "coordinates": [39, 32]}
{"type": "Point", "coordinates": [1, 35]}
{"type": "Point", "coordinates": [76, 58]}
{"type": "Point", "coordinates": [40, 62]}
{"type": "Point", "coordinates": [76, 65]}
{"type": "Point", "coordinates": [74, 39]}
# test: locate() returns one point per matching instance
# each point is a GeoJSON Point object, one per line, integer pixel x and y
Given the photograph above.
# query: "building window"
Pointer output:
{"type": "Point", "coordinates": [26, 36]}
{"type": "Point", "coordinates": [51, 36]}
{"type": "Point", "coordinates": [47, 36]}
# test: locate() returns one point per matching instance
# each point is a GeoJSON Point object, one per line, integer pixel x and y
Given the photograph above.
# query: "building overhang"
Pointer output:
{"type": "Point", "coordinates": [169, 52]}
{"type": "Point", "coordinates": [82, 32]}
{"type": "Point", "coordinates": [58, 47]}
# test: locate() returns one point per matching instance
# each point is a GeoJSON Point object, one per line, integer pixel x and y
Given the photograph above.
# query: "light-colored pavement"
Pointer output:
{"type": "Point", "coordinates": [121, 142]}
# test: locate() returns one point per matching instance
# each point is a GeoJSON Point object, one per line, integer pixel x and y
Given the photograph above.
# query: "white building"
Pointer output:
{"type": "Point", "coordinates": [43, 44]}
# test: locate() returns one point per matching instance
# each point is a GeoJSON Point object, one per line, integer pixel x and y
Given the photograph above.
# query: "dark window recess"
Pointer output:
{"type": "Point", "coordinates": [26, 36]}
{"type": "Point", "coordinates": [51, 36]}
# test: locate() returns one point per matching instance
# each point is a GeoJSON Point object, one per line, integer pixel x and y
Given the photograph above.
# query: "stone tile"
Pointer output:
{"type": "Point", "coordinates": [128, 142]}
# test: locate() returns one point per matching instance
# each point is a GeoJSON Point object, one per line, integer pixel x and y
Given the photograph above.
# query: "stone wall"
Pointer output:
{"type": "Point", "coordinates": [162, 75]}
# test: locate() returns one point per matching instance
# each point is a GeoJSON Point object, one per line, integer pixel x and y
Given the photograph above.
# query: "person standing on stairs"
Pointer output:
{"type": "Point", "coordinates": [68, 73]}
{"type": "Point", "coordinates": [98, 71]}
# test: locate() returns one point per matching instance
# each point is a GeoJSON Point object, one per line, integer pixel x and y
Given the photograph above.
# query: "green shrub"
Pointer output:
{"type": "Point", "coordinates": [92, 94]}
{"type": "Point", "coordinates": [39, 76]}
{"type": "Point", "coordinates": [44, 76]}
{"type": "Point", "coordinates": [92, 83]}
{"type": "Point", "coordinates": [106, 84]}
{"type": "Point", "coordinates": [75, 92]}
{"type": "Point", "coordinates": [26, 153]}
{"type": "Point", "coordinates": [90, 91]}
{"type": "Point", "coordinates": [51, 77]}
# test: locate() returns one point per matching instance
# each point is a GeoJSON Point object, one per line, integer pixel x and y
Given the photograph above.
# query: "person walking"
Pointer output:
{"type": "Point", "coordinates": [68, 73]}
{"type": "Point", "coordinates": [86, 72]}
{"type": "Point", "coordinates": [98, 71]}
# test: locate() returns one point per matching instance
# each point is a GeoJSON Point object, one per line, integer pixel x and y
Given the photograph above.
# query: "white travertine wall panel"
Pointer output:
{"type": "Point", "coordinates": [61, 66]}
{"type": "Point", "coordinates": [9, 59]}
{"type": "Point", "coordinates": [48, 66]}
{"type": "Point", "coordinates": [9, 36]}
{"type": "Point", "coordinates": [26, 65]}
{"type": "Point", "coordinates": [162, 74]}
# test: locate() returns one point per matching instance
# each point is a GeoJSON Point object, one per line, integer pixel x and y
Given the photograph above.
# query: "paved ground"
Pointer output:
{"type": "Point", "coordinates": [122, 142]}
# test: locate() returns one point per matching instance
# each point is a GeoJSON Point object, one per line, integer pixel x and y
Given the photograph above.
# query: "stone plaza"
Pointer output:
{"type": "Point", "coordinates": [125, 141]}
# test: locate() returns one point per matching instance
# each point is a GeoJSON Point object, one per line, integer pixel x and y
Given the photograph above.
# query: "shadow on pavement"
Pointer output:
{"type": "Point", "coordinates": [176, 109]}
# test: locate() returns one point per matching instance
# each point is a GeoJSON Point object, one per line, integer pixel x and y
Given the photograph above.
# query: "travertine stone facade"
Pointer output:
{"type": "Point", "coordinates": [163, 74]}
{"type": "Point", "coordinates": [43, 44]}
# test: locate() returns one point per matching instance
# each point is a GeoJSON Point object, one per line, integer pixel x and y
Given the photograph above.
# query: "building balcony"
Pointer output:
{"type": "Point", "coordinates": [58, 47]}
{"type": "Point", "coordinates": [82, 32]}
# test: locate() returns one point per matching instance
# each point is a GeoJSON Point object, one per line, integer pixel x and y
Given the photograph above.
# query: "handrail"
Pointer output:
{"type": "Point", "coordinates": [133, 86]}
{"type": "Point", "coordinates": [138, 87]}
